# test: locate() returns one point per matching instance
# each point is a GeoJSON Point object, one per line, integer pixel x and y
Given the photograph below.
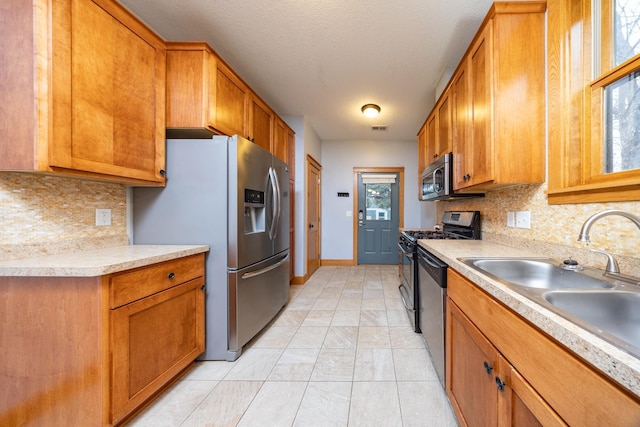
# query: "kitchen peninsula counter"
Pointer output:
{"type": "Point", "coordinates": [97, 262]}
{"type": "Point", "coordinates": [88, 337]}
{"type": "Point", "coordinates": [614, 362]}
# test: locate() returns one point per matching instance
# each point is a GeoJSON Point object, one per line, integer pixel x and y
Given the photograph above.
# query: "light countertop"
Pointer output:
{"type": "Point", "coordinates": [97, 262]}
{"type": "Point", "coordinates": [614, 362]}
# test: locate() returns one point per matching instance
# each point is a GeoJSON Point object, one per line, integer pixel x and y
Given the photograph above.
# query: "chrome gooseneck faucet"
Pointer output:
{"type": "Point", "coordinates": [584, 231]}
{"type": "Point", "coordinates": [612, 268]}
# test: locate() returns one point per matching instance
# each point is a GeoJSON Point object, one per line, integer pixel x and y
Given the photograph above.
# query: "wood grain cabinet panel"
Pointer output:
{"type": "Point", "coordinates": [231, 102]}
{"type": "Point", "coordinates": [98, 88]}
{"type": "Point", "coordinates": [484, 389]}
{"type": "Point", "coordinates": [261, 124]}
{"type": "Point", "coordinates": [205, 97]}
{"type": "Point", "coordinates": [543, 381]}
{"type": "Point", "coordinates": [504, 140]}
{"type": "Point", "coordinates": [422, 156]}
{"type": "Point", "coordinates": [70, 359]}
{"type": "Point", "coordinates": [153, 340]}
{"type": "Point", "coordinates": [491, 114]}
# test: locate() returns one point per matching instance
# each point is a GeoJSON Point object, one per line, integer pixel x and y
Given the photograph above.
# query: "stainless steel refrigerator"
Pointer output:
{"type": "Point", "coordinates": [232, 195]}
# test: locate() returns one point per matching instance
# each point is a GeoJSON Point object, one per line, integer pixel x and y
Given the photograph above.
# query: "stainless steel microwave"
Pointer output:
{"type": "Point", "coordinates": [437, 181]}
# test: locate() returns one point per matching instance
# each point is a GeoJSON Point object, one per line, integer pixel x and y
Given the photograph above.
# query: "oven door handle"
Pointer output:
{"type": "Point", "coordinates": [404, 301]}
{"type": "Point", "coordinates": [404, 250]}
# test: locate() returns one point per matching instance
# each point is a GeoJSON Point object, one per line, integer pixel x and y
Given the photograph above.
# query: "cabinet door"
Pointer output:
{"type": "Point", "coordinates": [472, 363]}
{"type": "Point", "coordinates": [108, 92]}
{"type": "Point", "coordinates": [520, 405]}
{"type": "Point", "coordinates": [280, 146]}
{"type": "Point", "coordinates": [152, 340]}
{"type": "Point", "coordinates": [260, 123]}
{"type": "Point", "coordinates": [231, 102]}
{"type": "Point", "coordinates": [431, 154]}
{"type": "Point", "coordinates": [191, 72]}
{"type": "Point", "coordinates": [443, 140]}
{"type": "Point", "coordinates": [291, 152]}
{"type": "Point", "coordinates": [480, 168]}
{"type": "Point", "coordinates": [461, 126]}
{"type": "Point", "coordinates": [422, 156]}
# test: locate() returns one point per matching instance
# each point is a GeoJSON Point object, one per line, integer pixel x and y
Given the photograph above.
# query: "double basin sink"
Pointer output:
{"type": "Point", "coordinates": [608, 308]}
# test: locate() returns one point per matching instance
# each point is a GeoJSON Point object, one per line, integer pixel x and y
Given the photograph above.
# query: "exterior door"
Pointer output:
{"type": "Point", "coordinates": [377, 217]}
{"type": "Point", "coordinates": [313, 215]}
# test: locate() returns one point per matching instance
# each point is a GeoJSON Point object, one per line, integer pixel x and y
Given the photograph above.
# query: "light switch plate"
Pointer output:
{"type": "Point", "coordinates": [511, 219]}
{"type": "Point", "coordinates": [523, 219]}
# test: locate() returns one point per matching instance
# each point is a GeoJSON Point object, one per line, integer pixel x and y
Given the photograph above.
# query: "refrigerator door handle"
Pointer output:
{"type": "Point", "coordinates": [279, 203]}
{"type": "Point", "coordinates": [276, 203]}
{"type": "Point", "coordinates": [251, 274]}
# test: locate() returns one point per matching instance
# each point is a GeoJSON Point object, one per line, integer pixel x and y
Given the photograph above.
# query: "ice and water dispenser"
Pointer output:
{"type": "Point", "coordinates": [254, 211]}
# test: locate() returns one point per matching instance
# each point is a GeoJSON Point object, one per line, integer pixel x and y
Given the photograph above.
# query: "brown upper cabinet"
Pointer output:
{"type": "Point", "coordinates": [206, 97]}
{"type": "Point", "coordinates": [83, 92]}
{"type": "Point", "coordinates": [260, 123]}
{"type": "Point", "coordinates": [434, 138]}
{"type": "Point", "coordinates": [491, 114]}
{"type": "Point", "coordinates": [504, 110]}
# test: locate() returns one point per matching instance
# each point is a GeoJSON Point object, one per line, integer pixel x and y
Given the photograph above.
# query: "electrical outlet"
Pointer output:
{"type": "Point", "coordinates": [523, 219]}
{"type": "Point", "coordinates": [103, 217]}
{"type": "Point", "coordinates": [511, 219]}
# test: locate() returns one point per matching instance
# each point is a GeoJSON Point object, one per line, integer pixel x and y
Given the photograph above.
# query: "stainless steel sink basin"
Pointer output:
{"type": "Point", "coordinates": [607, 308]}
{"type": "Point", "coordinates": [542, 273]}
{"type": "Point", "coordinates": [613, 312]}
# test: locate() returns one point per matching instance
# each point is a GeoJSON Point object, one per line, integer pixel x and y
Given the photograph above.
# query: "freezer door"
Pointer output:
{"type": "Point", "coordinates": [281, 233]}
{"type": "Point", "coordinates": [256, 295]}
{"type": "Point", "coordinates": [248, 230]}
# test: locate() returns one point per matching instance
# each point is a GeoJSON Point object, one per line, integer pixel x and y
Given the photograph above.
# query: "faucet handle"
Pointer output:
{"type": "Point", "coordinates": [612, 264]}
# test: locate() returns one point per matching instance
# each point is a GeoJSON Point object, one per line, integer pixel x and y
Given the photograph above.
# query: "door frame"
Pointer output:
{"type": "Point", "coordinates": [312, 162]}
{"type": "Point", "coordinates": [356, 171]}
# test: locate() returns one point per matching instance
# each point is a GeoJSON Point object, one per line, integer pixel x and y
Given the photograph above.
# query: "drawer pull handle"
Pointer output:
{"type": "Point", "coordinates": [171, 275]}
{"type": "Point", "coordinates": [500, 384]}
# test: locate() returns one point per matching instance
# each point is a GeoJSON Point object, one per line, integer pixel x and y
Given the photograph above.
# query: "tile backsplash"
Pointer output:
{"type": "Point", "coordinates": [40, 211]}
{"type": "Point", "coordinates": [557, 225]}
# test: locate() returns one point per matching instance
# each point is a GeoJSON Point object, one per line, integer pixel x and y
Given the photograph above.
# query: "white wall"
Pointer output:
{"type": "Point", "coordinates": [307, 142]}
{"type": "Point", "coordinates": [338, 160]}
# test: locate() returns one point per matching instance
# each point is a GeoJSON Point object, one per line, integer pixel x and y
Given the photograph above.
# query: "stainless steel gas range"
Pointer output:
{"type": "Point", "coordinates": [455, 225]}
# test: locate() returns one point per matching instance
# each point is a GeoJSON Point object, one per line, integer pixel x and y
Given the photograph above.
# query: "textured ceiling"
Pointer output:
{"type": "Point", "coordinates": [324, 59]}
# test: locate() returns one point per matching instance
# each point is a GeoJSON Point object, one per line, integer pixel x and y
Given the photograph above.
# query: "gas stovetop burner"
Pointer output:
{"type": "Point", "coordinates": [456, 225]}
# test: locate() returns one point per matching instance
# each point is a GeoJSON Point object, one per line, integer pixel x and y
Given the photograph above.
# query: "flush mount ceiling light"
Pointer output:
{"type": "Point", "coordinates": [370, 110]}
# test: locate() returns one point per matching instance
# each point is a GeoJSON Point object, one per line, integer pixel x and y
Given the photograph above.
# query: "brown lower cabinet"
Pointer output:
{"type": "Point", "coordinates": [90, 351]}
{"type": "Point", "coordinates": [503, 371]}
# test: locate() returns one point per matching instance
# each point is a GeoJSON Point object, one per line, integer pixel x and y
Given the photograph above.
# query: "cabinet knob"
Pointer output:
{"type": "Point", "coordinates": [488, 368]}
{"type": "Point", "coordinates": [162, 172]}
{"type": "Point", "coordinates": [202, 288]}
{"type": "Point", "coordinates": [500, 384]}
{"type": "Point", "coordinates": [171, 275]}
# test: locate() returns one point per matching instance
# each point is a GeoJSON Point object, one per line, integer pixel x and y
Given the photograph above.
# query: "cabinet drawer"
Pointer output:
{"type": "Point", "coordinates": [139, 283]}
{"type": "Point", "coordinates": [152, 341]}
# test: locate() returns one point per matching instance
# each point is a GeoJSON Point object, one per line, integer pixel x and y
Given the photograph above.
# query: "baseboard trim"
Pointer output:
{"type": "Point", "coordinates": [299, 280]}
{"type": "Point", "coordinates": [338, 262]}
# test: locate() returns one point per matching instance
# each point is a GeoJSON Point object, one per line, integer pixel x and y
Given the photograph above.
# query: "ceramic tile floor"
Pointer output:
{"type": "Point", "coordinates": [341, 353]}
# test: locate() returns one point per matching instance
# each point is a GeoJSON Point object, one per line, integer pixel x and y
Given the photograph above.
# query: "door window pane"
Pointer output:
{"type": "Point", "coordinates": [378, 202]}
{"type": "Point", "coordinates": [626, 30]}
{"type": "Point", "coordinates": [622, 124]}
